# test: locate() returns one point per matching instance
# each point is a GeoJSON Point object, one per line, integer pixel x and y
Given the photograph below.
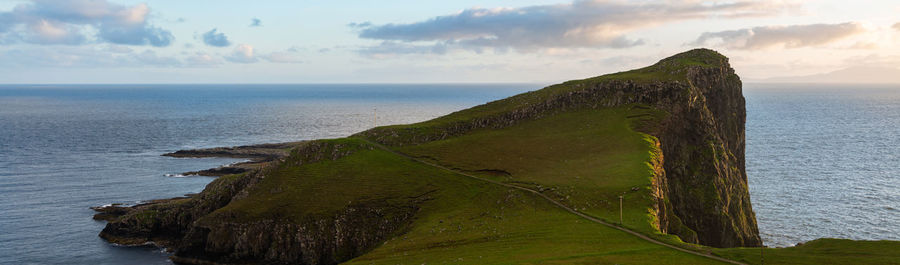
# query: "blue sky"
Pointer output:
{"type": "Point", "coordinates": [118, 41]}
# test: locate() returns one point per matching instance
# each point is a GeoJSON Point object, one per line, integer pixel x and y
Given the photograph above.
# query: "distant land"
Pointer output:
{"type": "Point", "coordinates": [851, 75]}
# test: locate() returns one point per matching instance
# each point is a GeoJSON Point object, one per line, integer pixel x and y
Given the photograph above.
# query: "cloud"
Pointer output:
{"type": "Point", "coordinates": [793, 36]}
{"type": "Point", "coordinates": [247, 54]}
{"type": "Point", "coordinates": [47, 32]}
{"type": "Point", "coordinates": [243, 53]}
{"type": "Point", "coordinates": [150, 58]}
{"type": "Point", "coordinates": [70, 21]}
{"type": "Point", "coordinates": [580, 24]}
{"type": "Point", "coordinates": [282, 57]}
{"type": "Point", "coordinates": [215, 39]}
{"type": "Point", "coordinates": [203, 59]}
{"type": "Point", "coordinates": [872, 60]}
{"type": "Point", "coordinates": [6, 21]}
{"type": "Point", "coordinates": [104, 56]}
{"type": "Point", "coordinates": [360, 25]}
{"type": "Point", "coordinates": [119, 49]}
{"type": "Point", "coordinates": [390, 48]}
{"type": "Point", "coordinates": [87, 57]}
{"type": "Point", "coordinates": [255, 22]}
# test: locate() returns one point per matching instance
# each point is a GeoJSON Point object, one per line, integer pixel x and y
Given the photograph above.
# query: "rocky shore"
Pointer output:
{"type": "Point", "coordinates": [257, 155]}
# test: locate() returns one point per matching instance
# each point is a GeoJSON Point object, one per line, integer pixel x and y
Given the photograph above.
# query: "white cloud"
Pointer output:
{"type": "Point", "coordinates": [793, 36]}
{"type": "Point", "coordinates": [48, 32]}
{"type": "Point", "coordinates": [150, 58]}
{"type": "Point", "coordinates": [203, 59]}
{"type": "Point", "coordinates": [243, 53]}
{"type": "Point", "coordinates": [112, 56]}
{"type": "Point", "coordinates": [85, 57]}
{"type": "Point", "coordinates": [68, 21]}
{"type": "Point", "coordinates": [283, 57]}
{"type": "Point", "coordinates": [247, 54]}
{"type": "Point", "coordinates": [580, 24]}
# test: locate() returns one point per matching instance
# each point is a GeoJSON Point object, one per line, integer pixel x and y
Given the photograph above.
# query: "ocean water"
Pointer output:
{"type": "Point", "coordinates": [821, 161]}
{"type": "Point", "coordinates": [66, 148]}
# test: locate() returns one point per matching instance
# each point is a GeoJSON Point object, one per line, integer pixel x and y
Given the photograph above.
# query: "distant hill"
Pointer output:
{"type": "Point", "coordinates": [858, 75]}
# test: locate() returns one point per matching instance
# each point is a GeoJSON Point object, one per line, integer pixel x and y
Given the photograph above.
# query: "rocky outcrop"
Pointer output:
{"type": "Point", "coordinates": [258, 155]}
{"type": "Point", "coordinates": [701, 187]}
{"type": "Point", "coordinates": [702, 142]}
{"type": "Point", "coordinates": [198, 234]}
{"type": "Point", "coordinates": [165, 222]}
{"type": "Point", "coordinates": [261, 151]}
{"type": "Point", "coordinates": [323, 240]}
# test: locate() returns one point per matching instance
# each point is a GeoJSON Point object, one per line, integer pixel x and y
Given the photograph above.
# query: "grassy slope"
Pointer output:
{"type": "Point", "coordinates": [467, 222]}
{"type": "Point", "coordinates": [667, 70]}
{"type": "Point", "coordinates": [585, 158]}
{"type": "Point", "coordinates": [820, 251]}
{"type": "Point", "coordinates": [588, 157]}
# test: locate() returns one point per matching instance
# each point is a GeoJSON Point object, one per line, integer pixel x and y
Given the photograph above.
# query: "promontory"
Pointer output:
{"type": "Point", "coordinates": [639, 167]}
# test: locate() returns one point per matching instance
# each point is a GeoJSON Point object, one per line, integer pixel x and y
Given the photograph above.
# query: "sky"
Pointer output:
{"type": "Point", "coordinates": [363, 41]}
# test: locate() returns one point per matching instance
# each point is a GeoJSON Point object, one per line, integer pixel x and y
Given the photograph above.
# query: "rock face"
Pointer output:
{"type": "Point", "coordinates": [700, 185]}
{"type": "Point", "coordinates": [189, 227]}
{"type": "Point", "coordinates": [325, 240]}
{"type": "Point", "coordinates": [702, 142]}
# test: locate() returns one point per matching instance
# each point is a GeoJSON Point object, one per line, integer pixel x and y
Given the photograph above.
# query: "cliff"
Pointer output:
{"type": "Point", "coordinates": [701, 190]}
{"type": "Point", "coordinates": [669, 137]}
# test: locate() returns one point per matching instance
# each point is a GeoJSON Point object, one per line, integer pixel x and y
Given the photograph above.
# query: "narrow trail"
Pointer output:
{"type": "Point", "coordinates": [560, 205]}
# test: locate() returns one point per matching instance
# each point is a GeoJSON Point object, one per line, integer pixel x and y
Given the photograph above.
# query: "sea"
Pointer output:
{"type": "Point", "coordinates": [822, 160]}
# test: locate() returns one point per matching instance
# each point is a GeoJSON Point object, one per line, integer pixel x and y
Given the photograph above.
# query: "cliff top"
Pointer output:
{"type": "Point", "coordinates": [698, 57]}
{"type": "Point", "coordinates": [674, 69]}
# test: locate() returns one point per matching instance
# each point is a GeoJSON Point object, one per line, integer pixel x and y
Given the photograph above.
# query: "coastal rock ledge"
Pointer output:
{"type": "Point", "coordinates": [699, 187]}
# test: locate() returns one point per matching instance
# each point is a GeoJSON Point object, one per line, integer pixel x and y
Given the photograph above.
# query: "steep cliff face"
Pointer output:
{"type": "Point", "coordinates": [701, 187]}
{"type": "Point", "coordinates": [702, 141]}
{"type": "Point", "coordinates": [321, 240]}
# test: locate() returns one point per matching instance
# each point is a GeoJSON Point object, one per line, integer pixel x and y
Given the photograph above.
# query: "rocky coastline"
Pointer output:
{"type": "Point", "coordinates": [700, 185]}
{"type": "Point", "coordinates": [257, 156]}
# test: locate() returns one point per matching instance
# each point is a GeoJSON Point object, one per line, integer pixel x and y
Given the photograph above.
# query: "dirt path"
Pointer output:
{"type": "Point", "coordinates": [560, 205]}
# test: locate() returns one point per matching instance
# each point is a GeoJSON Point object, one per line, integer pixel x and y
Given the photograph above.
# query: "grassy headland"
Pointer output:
{"type": "Point", "coordinates": [582, 144]}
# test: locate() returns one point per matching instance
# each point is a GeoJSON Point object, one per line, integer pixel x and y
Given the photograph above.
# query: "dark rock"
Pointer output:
{"type": "Point", "coordinates": [246, 151]}
{"type": "Point", "coordinates": [179, 226]}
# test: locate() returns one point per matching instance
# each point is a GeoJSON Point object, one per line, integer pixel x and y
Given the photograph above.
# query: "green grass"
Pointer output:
{"type": "Point", "coordinates": [467, 221]}
{"type": "Point", "coordinates": [669, 70]}
{"type": "Point", "coordinates": [584, 158]}
{"type": "Point", "coordinates": [820, 251]}
{"type": "Point", "coordinates": [526, 99]}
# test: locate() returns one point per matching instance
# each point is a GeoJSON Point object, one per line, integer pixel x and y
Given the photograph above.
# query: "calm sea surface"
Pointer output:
{"type": "Point", "coordinates": [822, 161]}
